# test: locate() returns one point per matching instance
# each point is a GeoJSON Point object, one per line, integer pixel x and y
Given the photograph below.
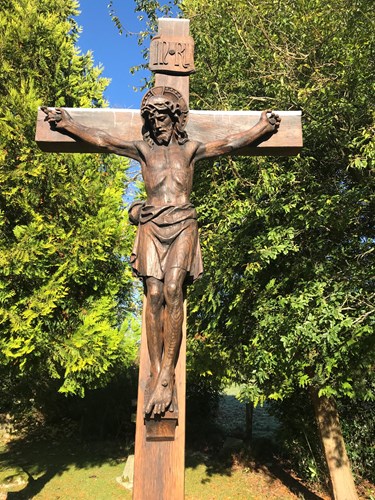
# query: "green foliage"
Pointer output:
{"type": "Point", "coordinates": [64, 284]}
{"type": "Point", "coordinates": [298, 441]}
{"type": "Point", "coordinates": [358, 425]}
{"type": "Point", "coordinates": [148, 11]}
{"type": "Point", "coordinates": [287, 299]}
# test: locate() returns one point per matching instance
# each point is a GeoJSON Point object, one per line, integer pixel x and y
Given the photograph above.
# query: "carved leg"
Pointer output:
{"type": "Point", "coordinates": [154, 330]}
{"type": "Point", "coordinates": [172, 332]}
{"type": "Point", "coordinates": [174, 315]}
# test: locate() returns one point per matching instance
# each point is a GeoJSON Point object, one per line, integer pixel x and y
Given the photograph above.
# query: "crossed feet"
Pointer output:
{"type": "Point", "coordinates": [159, 392]}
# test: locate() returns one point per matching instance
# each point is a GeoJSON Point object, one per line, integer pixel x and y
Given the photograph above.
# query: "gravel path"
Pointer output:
{"type": "Point", "coordinates": [232, 418]}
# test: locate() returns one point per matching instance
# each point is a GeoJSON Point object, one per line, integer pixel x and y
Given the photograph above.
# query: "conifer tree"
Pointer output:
{"type": "Point", "coordinates": [64, 283]}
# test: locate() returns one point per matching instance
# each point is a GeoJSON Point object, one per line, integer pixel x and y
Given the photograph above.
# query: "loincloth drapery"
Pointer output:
{"type": "Point", "coordinates": [167, 237]}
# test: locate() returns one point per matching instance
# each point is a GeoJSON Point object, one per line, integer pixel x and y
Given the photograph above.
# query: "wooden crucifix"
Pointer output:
{"type": "Point", "coordinates": [167, 139]}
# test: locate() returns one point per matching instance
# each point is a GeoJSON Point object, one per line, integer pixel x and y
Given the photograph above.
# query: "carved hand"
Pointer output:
{"type": "Point", "coordinates": [59, 118]}
{"type": "Point", "coordinates": [271, 120]}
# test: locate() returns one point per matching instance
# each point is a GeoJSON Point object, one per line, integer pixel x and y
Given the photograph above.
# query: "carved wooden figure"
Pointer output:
{"type": "Point", "coordinates": [166, 253]}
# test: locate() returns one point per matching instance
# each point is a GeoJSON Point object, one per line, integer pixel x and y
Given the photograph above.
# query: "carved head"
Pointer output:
{"type": "Point", "coordinates": [164, 113]}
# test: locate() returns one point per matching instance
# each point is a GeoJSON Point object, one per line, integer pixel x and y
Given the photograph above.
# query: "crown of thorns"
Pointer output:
{"type": "Point", "coordinates": [159, 99]}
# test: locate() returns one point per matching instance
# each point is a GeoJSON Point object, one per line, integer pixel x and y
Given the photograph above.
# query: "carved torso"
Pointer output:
{"type": "Point", "coordinates": [167, 172]}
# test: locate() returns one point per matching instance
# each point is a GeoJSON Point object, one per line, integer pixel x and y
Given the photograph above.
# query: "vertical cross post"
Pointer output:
{"type": "Point", "coordinates": [159, 463]}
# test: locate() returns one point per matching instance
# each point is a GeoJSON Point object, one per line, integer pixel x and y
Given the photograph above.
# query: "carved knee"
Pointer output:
{"type": "Point", "coordinates": [155, 297]}
{"type": "Point", "coordinates": [172, 291]}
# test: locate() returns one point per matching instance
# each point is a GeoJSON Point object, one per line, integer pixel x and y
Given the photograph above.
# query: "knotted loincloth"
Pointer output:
{"type": "Point", "coordinates": [167, 237]}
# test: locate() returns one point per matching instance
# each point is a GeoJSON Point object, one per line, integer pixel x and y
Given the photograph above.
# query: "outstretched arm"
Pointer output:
{"type": "Point", "coordinates": [266, 125]}
{"type": "Point", "coordinates": [61, 120]}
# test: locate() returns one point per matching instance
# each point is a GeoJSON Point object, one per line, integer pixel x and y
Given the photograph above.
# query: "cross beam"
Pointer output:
{"type": "Point", "coordinates": [201, 124]}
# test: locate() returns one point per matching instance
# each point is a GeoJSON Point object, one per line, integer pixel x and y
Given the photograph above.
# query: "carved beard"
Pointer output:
{"type": "Point", "coordinates": [163, 138]}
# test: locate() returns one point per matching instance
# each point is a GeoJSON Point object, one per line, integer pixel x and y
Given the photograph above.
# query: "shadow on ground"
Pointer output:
{"type": "Point", "coordinates": [38, 459]}
{"type": "Point", "coordinates": [30, 464]}
{"type": "Point", "coordinates": [39, 462]}
{"type": "Point", "coordinates": [224, 463]}
{"type": "Point", "coordinates": [206, 441]}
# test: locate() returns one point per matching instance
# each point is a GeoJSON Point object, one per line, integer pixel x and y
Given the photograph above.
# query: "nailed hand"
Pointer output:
{"type": "Point", "coordinates": [273, 120]}
{"type": "Point", "coordinates": [58, 118]}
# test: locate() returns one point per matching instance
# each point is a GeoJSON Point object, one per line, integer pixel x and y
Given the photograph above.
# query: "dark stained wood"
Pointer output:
{"type": "Point", "coordinates": [125, 123]}
{"type": "Point", "coordinates": [172, 54]}
{"type": "Point", "coordinates": [218, 124]}
{"type": "Point", "coordinates": [162, 429]}
{"type": "Point", "coordinates": [214, 124]}
{"type": "Point", "coordinates": [159, 467]}
{"type": "Point", "coordinates": [174, 28]}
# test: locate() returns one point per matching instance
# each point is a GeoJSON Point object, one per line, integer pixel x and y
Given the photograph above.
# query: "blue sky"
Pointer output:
{"type": "Point", "coordinates": [117, 53]}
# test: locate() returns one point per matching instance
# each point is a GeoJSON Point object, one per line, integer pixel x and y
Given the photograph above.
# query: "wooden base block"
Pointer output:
{"type": "Point", "coordinates": [162, 429]}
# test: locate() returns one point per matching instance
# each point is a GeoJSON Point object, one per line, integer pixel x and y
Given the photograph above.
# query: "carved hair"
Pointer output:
{"type": "Point", "coordinates": [165, 100]}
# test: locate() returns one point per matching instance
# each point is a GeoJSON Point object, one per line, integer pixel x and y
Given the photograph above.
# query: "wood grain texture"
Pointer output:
{"type": "Point", "coordinates": [159, 466]}
{"type": "Point", "coordinates": [175, 28]}
{"type": "Point", "coordinates": [202, 126]}
{"type": "Point", "coordinates": [170, 26]}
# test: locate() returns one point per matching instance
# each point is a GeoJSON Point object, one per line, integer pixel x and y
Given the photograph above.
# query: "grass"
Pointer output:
{"type": "Point", "coordinates": [62, 470]}
{"type": "Point", "coordinates": [70, 470]}
{"type": "Point", "coordinates": [52, 464]}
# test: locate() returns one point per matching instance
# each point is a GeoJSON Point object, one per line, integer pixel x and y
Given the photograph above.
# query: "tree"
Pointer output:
{"type": "Point", "coordinates": [65, 287]}
{"type": "Point", "coordinates": [287, 299]}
